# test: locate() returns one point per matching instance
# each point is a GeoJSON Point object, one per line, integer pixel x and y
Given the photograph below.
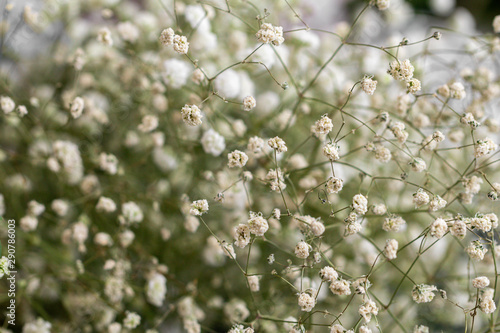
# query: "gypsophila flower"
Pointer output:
{"type": "Point", "coordinates": [391, 249]}
{"type": "Point", "coordinates": [382, 4]}
{"type": "Point", "coordinates": [276, 180]}
{"type": "Point", "coordinates": [457, 90]}
{"type": "Point", "coordinates": [103, 239]}
{"type": "Point", "coordinates": [258, 224]}
{"type": "Point", "coordinates": [253, 282]}
{"type": "Point", "coordinates": [277, 144]}
{"type": "Point", "coordinates": [484, 147]}
{"type": "Point", "coordinates": [365, 329]}
{"type": "Point", "coordinates": [237, 159]}
{"type": "Point", "coordinates": [306, 302]}
{"type": "Point", "coordinates": [420, 198]}
{"type": "Point", "coordinates": [423, 293]}
{"type": "Point", "coordinates": [337, 328]}
{"type": "Point", "coordinates": [148, 124]}
{"type": "Point", "coordinates": [35, 208]}
{"type": "Point", "coordinates": [199, 207]}
{"type": "Point", "coordinates": [213, 143]}
{"type": "Point", "coordinates": [458, 229]}
{"type": "Point", "coordinates": [476, 250]}
{"type": "Point", "coordinates": [328, 274]}
{"type": "Point", "coordinates": [104, 36]}
{"type": "Point", "coordinates": [480, 282]}
{"type": "Point", "coordinates": [352, 228]}
{"type": "Point", "coordinates": [418, 164]}
{"type": "Point", "coordinates": [331, 150]}
{"type": "Point", "coordinates": [401, 70]}
{"type": "Point", "coordinates": [322, 126]}
{"type": "Point", "coordinates": [438, 228]}
{"type": "Point", "coordinates": [398, 129]}
{"type": "Point", "coordinates": [360, 204]}
{"type": "Point", "coordinates": [486, 302]}
{"type": "Point", "coordinates": [106, 205]}
{"type": "Point", "coordinates": [270, 34]}
{"type": "Point", "coordinates": [167, 36]}
{"type": "Point", "coordinates": [37, 326]}
{"type": "Point", "coordinates": [367, 309]}
{"type": "Point", "coordinates": [21, 110]}
{"type": "Point", "coordinates": [255, 144]}
{"type": "Point", "coordinates": [420, 329]}
{"type": "Point", "coordinates": [382, 154]}
{"type": "Point", "coordinates": [156, 288]}
{"type": "Point", "coordinates": [7, 104]}
{"type": "Point", "coordinates": [128, 31]}
{"type": "Point", "coordinates": [302, 250]}
{"type": "Point", "coordinates": [132, 320]}
{"type": "Point", "coordinates": [481, 222]}
{"type": "Point", "coordinates": [379, 209]}
{"type": "Point", "coordinates": [108, 163]}
{"type": "Point", "coordinates": [472, 185]}
{"type": "Point", "coordinates": [368, 85]}
{"type": "Point", "coordinates": [334, 185]}
{"type": "Point", "coordinates": [180, 44]}
{"type": "Point", "coordinates": [393, 223]}
{"type": "Point", "coordinates": [437, 203]}
{"type": "Point", "coordinates": [340, 287]}
{"type": "Point", "coordinates": [317, 227]}
{"type": "Point", "coordinates": [4, 267]}
{"type": "Point", "coordinates": [191, 115]}
{"type": "Point", "coordinates": [249, 103]}
{"type": "Point", "coordinates": [413, 86]}
{"type": "Point", "coordinates": [76, 107]}
{"type": "Point", "coordinates": [28, 223]}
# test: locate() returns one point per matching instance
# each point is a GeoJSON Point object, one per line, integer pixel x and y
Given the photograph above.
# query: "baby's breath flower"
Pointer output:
{"type": "Point", "coordinates": [270, 34]}
{"type": "Point", "coordinates": [4, 267]}
{"type": "Point", "coordinates": [213, 143]}
{"type": "Point", "coordinates": [7, 104]}
{"type": "Point", "coordinates": [180, 44]}
{"type": "Point", "coordinates": [438, 228]}
{"type": "Point", "coordinates": [249, 103]}
{"type": "Point", "coordinates": [156, 288]}
{"type": "Point", "coordinates": [258, 224]}
{"type": "Point", "coordinates": [328, 274]}
{"type": "Point", "coordinates": [132, 320]}
{"type": "Point", "coordinates": [437, 203]}
{"type": "Point", "coordinates": [367, 309]}
{"type": "Point", "coordinates": [167, 36]}
{"type": "Point", "coordinates": [199, 207]}
{"type": "Point", "coordinates": [368, 85]}
{"type": "Point", "coordinates": [418, 164]}
{"type": "Point", "coordinates": [401, 70]}
{"type": "Point", "coordinates": [476, 250]}
{"type": "Point", "coordinates": [444, 91]}
{"type": "Point", "coordinates": [420, 198]}
{"type": "Point", "coordinates": [457, 90]}
{"type": "Point", "coordinates": [382, 154]}
{"type": "Point", "coordinates": [379, 209]}
{"type": "Point", "coordinates": [108, 163]}
{"type": "Point", "coordinates": [322, 126]}
{"type": "Point", "coordinates": [334, 185]}
{"type": "Point", "coordinates": [382, 4]}
{"type": "Point", "coordinates": [393, 223]}
{"type": "Point", "coordinates": [360, 204]}
{"type": "Point", "coordinates": [21, 110]}
{"type": "Point", "coordinates": [237, 159]}
{"type": "Point", "coordinates": [104, 36]}
{"type": "Point", "coordinates": [148, 124]}
{"type": "Point", "coordinates": [398, 129]}
{"type": "Point", "coordinates": [255, 144]}
{"type": "Point", "coordinates": [331, 150]}
{"type": "Point", "coordinates": [423, 293]}
{"type": "Point", "coordinates": [413, 86]}
{"type": "Point", "coordinates": [481, 282]}
{"type": "Point", "coordinates": [278, 144]}
{"type": "Point", "coordinates": [340, 287]}
{"type": "Point", "coordinates": [76, 108]}
{"type": "Point", "coordinates": [306, 302]}
{"type": "Point", "coordinates": [484, 147]}
{"type": "Point", "coordinates": [276, 180]}
{"type": "Point", "coordinates": [391, 249]}
{"type": "Point", "coordinates": [128, 31]}
{"type": "Point", "coordinates": [191, 115]}
{"type": "Point", "coordinates": [105, 205]}
{"type": "Point", "coordinates": [302, 250]}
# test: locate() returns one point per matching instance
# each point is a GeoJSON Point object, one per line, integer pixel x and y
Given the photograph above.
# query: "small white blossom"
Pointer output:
{"type": "Point", "coordinates": [270, 34]}
{"type": "Point", "coordinates": [191, 115]}
{"type": "Point", "coordinates": [199, 207]}
{"type": "Point", "coordinates": [237, 159]}
{"type": "Point", "coordinates": [249, 103]}
{"type": "Point", "coordinates": [368, 85]}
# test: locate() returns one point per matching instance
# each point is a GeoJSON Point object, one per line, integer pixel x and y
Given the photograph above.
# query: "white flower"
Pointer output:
{"type": "Point", "coordinates": [457, 90]}
{"type": "Point", "coordinates": [228, 84]}
{"type": "Point", "coordinates": [398, 129]}
{"type": "Point", "coordinates": [108, 163]}
{"type": "Point", "coordinates": [367, 309]}
{"type": "Point", "coordinates": [306, 302]}
{"type": "Point", "coordinates": [278, 144]}
{"type": "Point", "coordinates": [237, 159]}
{"type": "Point", "coordinates": [249, 103]}
{"type": "Point", "coordinates": [484, 147]}
{"type": "Point", "coordinates": [481, 282]}
{"type": "Point", "coordinates": [413, 86]}
{"type": "Point", "coordinates": [35, 208]}
{"type": "Point", "coordinates": [270, 34]}
{"type": "Point", "coordinates": [132, 320]}
{"type": "Point", "coordinates": [423, 293]}
{"type": "Point", "coordinates": [191, 115]}
{"type": "Point", "coordinates": [60, 207]}
{"type": "Point", "coordinates": [199, 207]}
{"type": "Point", "coordinates": [4, 267]}
{"type": "Point", "coordinates": [340, 287]}
{"type": "Point", "coordinates": [418, 164]}
{"type": "Point", "coordinates": [438, 228]}
{"type": "Point", "coordinates": [379, 209]}
{"type": "Point", "coordinates": [258, 224]}
{"type": "Point", "coordinates": [476, 250]}
{"type": "Point", "coordinates": [68, 157]}
{"type": "Point", "coordinates": [322, 126]}
{"type": "Point", "coordinates": [105, 205]}
{"type": "Point", "coordinates": [38, 326]}
{"type": "Point", "coordinates": [420, 198]}
{"type": "Point", "coordinates": [76, 108]}
{"type": "Point", "coordinates": [368, 85]}
{"type": "Point", "coordinates": [401, 70]}
{"type": "Point", "coordinates": [241, 235]}
{"type": "Point", "coordinates": [437, 203]}
{"type": "Point", "coordinates": [331, 151]}
{"type": "Point", "coordinates": [391, 249]}
{"type": "Point", "coordinates": [328, 274]}
{"type": "Point", "coordinates": [149, 123]}
{"type": "Point", "coordinates": [253, 281]}
{"type": "Point", "coordinates": [176, 73]}
{"type": "Point", "coordinates": [131, 213]}
{"type": "Point", "coordinates": [360, 204]}
{"type": "Point", "coordinates": [393, 223]}
{"type": "Point", "coordinates": [213, 143]}
{"type": "Point", "coordinates": [496, 24]}
{"type": "Point", "coordinates": [156, 288]}
{"type": "Point", "coordinates": [104, 36]}
{"type": "Point", "coordinates": [7, 104]}
{"type": "Point", "coordinates": [167, 36]}
{"type": "Point", "coordinates": [334, 185]}
{"type": "Point", "coordinates": [181, 45]}
{"type": "Point", "coordinates": [255, 145]}
{"type": "Point", "coordinates": [28, 223]}
{"type": "Point", "coordinates": [22, 110]}
{"type": "Point", "coordinates": [128, 31]}
{"type": "Point", "coordinates": [276, 179]}
{"type": "Point", "coordinates": [302, 250]}
{"type": "Point", "coordinates": [382, 4]}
